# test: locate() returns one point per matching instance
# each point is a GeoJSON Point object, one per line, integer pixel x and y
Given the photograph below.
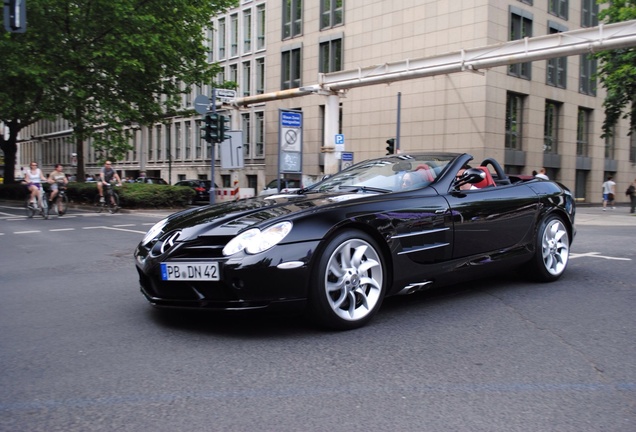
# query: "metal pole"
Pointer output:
{"type": "Point", "coordinates": [212, 156]}
{"type": "Point", "coordinates": [397, 131]}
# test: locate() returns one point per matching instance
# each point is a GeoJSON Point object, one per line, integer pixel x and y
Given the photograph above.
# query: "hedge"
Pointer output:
{"type": "Point", "coordinates": [131, 195]}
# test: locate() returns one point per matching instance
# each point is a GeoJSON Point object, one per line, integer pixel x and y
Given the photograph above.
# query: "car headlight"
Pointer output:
{"type": "Point", "coordinates": [154, 231]}
{"type": "Point", "coordinates": [254, 241]}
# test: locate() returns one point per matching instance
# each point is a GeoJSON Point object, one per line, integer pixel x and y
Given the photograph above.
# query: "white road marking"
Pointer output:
{"type": "Point", "coordinates": [26, 232]}
{"type": "Point", "coordinates": [62, 229]}
{"type": "Point", "coordinates": [598, 255]}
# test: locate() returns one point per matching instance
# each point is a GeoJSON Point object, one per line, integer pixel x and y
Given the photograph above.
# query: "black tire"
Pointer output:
{"type": "Point", "coordinates": [30, 211]}
{"type": "Point", "coordinates": [552, 251]}
{"type": "Point", "coordinates": [114, 208]}
{"type": "Point", "coordinates": [44, 210]}
{"type": "Point", "coordinates": [349, 285]}
{"type": "Point", "coordinates": [62, 205]}
{"type": "Point", "coordinates": [99, 206]}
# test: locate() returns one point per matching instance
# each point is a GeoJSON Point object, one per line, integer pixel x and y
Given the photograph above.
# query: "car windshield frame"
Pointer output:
{"type": "Point", "coordinates": [389, 174]}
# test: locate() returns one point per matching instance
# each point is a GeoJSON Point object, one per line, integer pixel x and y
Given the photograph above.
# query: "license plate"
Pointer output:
{"type": "Point", "coordinates": [190, 271]}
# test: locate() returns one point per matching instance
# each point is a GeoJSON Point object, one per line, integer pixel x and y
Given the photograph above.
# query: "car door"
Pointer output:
{"type": "Point", "coordinates": [491, 219]}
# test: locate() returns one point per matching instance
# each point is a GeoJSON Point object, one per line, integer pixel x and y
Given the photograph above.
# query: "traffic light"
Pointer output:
{"type": "Point", "coordinates": [15, 16]}
{"type": "Point", "coordinates": [211, 127]}
{"type": "Point", "coordinates": [390, 148]}
{"type": "Point", "coordinates": [223, 127]}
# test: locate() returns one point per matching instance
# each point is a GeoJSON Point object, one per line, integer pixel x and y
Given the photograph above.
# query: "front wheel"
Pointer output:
{"type": "Point", "coordinates": [349, 285]}
{"type": "Point", "coordinates": [30, 208]}
{"type": "Point", "coordinates": [552, 251]}
{"type": "Point", "coordinates": [62, 204]}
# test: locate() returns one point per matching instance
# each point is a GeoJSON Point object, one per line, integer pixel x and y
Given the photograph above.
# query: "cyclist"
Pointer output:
{"type": "Point", "coordinates": [106, 175]}
{"type": "Point", "coordinates": [33, 178]}
{"type": "Point", "coordinates": [57, 177]}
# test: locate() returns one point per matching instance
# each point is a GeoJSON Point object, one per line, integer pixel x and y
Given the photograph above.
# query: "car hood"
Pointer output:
{"type": "Point", "coordinates": [227, 219]}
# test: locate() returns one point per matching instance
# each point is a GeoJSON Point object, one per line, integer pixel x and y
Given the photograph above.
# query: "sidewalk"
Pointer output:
{"type": "Point", "coordinates": [588, 214]}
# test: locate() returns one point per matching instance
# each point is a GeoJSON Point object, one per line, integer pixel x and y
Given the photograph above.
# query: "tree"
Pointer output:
{"type": "Point", "coordinates": [102, 64]}
{"type": "Point", "coordinates": [617, 70]}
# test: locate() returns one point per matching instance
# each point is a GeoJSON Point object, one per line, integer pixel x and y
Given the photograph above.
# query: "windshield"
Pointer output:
{"type": "Point", "coordinates": [391, 174]}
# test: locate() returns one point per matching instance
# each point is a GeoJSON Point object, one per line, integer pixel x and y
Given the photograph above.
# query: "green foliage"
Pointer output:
{"type": "Point", "coordinates": [131, 195]}
{"type": "Point", "coordinates": [617, 70]}
{"type": "Point", "coordinates": [102, 64]}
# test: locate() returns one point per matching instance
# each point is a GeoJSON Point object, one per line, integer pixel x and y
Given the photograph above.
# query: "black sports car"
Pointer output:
{"type": "Point", "coordinates": [383, 227]}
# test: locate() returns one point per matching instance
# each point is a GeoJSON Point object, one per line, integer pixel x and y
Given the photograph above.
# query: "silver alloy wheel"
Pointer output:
{"type": "Point", "coordinates": [353, 280]}
{"type": "Point", "coordinates": [555, 247]}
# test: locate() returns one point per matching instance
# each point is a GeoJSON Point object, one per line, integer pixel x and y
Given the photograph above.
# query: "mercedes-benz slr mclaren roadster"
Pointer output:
{"type": "Point", "coordinates": [383, 227]}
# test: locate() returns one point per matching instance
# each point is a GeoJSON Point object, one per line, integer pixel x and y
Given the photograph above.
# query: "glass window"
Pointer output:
{"type": "Point", "coordinates": [551, 127]}
{"type": "Point", "coordinates": [221, 38]}
{"type": "Point", "coordinates": [260, 27]}
{"type": "Point", "coordinates": [246, 128]}
{"type": "Point", "coordinates": [610, 144]}
{"type": "Point", "coordinates": [177, 141]}
{"type": "Point", "coordinates": [260, 75]}
{"type": "Point", "coordinates": [520, 27]}
{"type": "Point", "coordinates": [583, 131]}
{"type": "Point", "coordinates": [589, 13]}
{"type": "Point", "coordinates": [234, 35]}
{"type": "Point", "coordinates": [247, 78]}
{"type": "Point", "coordinates": [330, 56]}
{"type": "Point", "coordinates": [259, 134]}
{"type": "Point", "coordinates": [292, 18]}
{"type": "Point", "coordinates": [290, 69]}
{"type": "Point", "coordinates": [514, 121]}
{"type": "Point", "coordinates": [330, 13]}
{"type": "Point", "coordinates": [587, 75]}
{"type": "Point", "coordinates": [558, 8]}
{"type": "Point", "coordinates": [247, 31]}
{"type": "Point", "coordinates": [188, 140]}
{"type": "Point", "coordinates": [557, 68]}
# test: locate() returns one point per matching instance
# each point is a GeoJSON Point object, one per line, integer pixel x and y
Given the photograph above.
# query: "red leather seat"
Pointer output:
{"type": "Point", "coordinates": [488, 181]}
{"type": "Point", "coordinates": [426, 172]}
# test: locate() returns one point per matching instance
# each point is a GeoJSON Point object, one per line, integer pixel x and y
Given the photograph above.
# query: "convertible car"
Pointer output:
{"type": "Point", "coordinates": [383, 227]}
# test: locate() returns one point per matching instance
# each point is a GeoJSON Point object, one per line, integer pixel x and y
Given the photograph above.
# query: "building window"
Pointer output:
{"type": "Point", "coordinates": [188, 140]}
{"type": "Point", "coordinates": [583, 131]}
{"type": "Point", "coordinates": [292, 18]}
{"type": "Point", "coordinates": [551, 127]}
{"type": "Point", "coordinates": [210, 42]}
{"type": "Point", "coordinates": [247, 132]}
{"type": "Point", "coordinates": [520, 27]}
{"type": "Point", "coordinates": [234, 35]}
{"type": "Point", "coordinates": [247, 78]}
{"type": "Point", "coordinates": [587, 75]}
{"type": "Point", "coordinates": [610, 144]}
{"type": "Point", "coordinates": [177, 141]}
{"type": "Point", "coordinates": [330, 56]}
{"type": "Point", "coordinates": [221, 38]}
{"type": "Point", "coordinates": [233, 72]}
{"type": "Point", "coordinates": [260, 75]}
{"type": "Point", "coordinates": [290, 69]}
{"type": "Point", "coordinates": [589, 13]}
{"type": "Point", "coordinates": [556, 70]}
{"type": "Point", "coordinates": [330, 13]}
{"type": "Point", "coordinates": [558, 8]}
{"type": "Point", "coordinates": [150, 144]}
{"type": "Point", "coordinates": [260, 27]}
{"type": "Point", "coordinates": [198, 145]}
{"type": "Point", "coordinates": [247, 31]}
{"type": "Point", "coordinates": [514, 121]}
{"type": "Point", "coordinates": [158, 141]}
{"type": "Point", "coordinates": [259, 134]}
{"type": "Point", "coordinates": [632, 146]}
{"type": "Point", "coordinates": [528, 2]}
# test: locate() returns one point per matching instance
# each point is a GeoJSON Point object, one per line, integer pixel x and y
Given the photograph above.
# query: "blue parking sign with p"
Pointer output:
{"type": "Point", "coordinates": [339, 138]}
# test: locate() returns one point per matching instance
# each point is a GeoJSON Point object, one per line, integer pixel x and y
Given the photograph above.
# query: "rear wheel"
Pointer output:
{"type": "Point", "coordinates": [44, 210]}
{"type": "Point", "coordinates": [113, 208]}
{"type": "Point", "coordinates": [349, 285]}
{"type": "Point", "coordinates": [552, 251]}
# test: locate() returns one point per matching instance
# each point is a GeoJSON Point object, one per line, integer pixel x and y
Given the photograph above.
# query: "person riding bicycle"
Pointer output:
{"type": "Point", "coordinates": [33, 178]}
{"type": "Point", "coordinates": [56, 178]}
{"type": "Point", "coordinates": [106, 175]}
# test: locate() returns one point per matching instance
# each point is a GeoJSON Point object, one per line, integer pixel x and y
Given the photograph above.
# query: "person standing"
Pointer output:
{"type": "Point", "coordinates": [609, 193]}
{"type": "Point", "coordinates": [542, 174]}
{"type": "Point", "coordinates": [631, 193]}
{"type": "Point", "coordinates": [106, 175]}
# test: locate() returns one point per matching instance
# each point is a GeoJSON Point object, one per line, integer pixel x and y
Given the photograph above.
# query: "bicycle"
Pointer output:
{"type": "Point", "coordinates": [32, 208]}
{"type": "Point", "coordinates": [60, 203]}
{"type": "Point", "coordinates": [110, 201]}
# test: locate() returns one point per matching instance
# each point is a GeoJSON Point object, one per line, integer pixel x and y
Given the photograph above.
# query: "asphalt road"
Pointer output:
{"type": "Point", "coordinates": [81, 350]}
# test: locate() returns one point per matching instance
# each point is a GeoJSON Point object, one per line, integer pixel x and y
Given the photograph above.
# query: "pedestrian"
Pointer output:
{"type": "Point", "coordinates": [542, 174]}
{"type": "Point", "coordinates": [631, 193]}
{"type": "Point", "coordinates": [609, 191]}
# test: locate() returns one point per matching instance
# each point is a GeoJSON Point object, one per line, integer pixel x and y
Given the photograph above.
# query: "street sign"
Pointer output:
{"type": "Point", "coordinates": [202, 104]}
{"type": "Point", "coordinates": [339, 139]}
{"type": "Point", "coordinates": [346, 160]}
{"type": "Point", "coordinates": [225, 95]}
{"type": "Point", "coordinates": [290, 144]}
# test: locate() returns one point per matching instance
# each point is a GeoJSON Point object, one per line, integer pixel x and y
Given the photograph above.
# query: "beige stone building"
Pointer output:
{"type": "Point", "coordinates": [545, 113]}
